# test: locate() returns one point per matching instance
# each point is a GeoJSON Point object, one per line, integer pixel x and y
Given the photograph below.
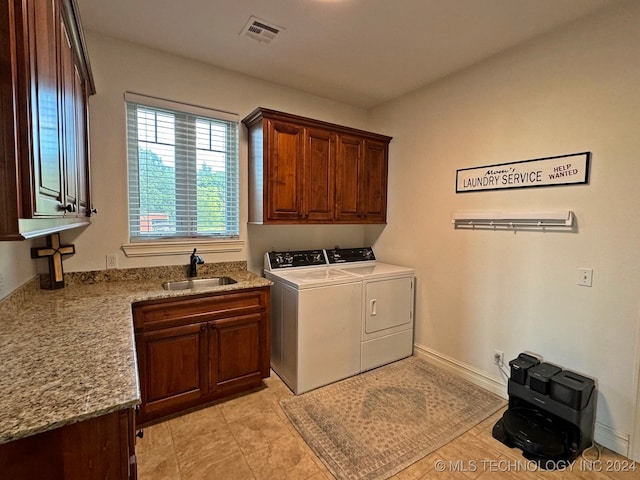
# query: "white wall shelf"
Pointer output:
{"type": "Point", "coordinates": [512, 220]}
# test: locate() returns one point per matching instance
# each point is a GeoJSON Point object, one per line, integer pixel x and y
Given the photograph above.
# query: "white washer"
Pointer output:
{"type": "Point", "coordinates": [387, 313]}
{"type": "Point", "coordinates": [315, 320]}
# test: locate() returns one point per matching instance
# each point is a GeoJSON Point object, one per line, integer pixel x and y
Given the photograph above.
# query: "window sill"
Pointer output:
{"type": "Point", "coordinates": [180, 247]}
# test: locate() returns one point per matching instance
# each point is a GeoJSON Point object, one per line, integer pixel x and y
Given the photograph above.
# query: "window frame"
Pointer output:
{"type": "Point", "coordinates": [144, 245]}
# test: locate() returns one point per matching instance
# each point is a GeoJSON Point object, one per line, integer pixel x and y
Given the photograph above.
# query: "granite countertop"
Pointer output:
{"type": "Point", "coordinates": [67, 355]}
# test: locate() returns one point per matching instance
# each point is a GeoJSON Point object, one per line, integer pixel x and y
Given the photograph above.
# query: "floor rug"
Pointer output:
{"type": "Point", "coordinates": [375, 424]}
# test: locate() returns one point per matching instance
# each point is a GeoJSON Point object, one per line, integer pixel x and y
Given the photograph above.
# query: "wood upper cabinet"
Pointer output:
{"type": "Point", "coordinates": [285, 170]}
{"type": "Point", "coordinates": [83, 170]}
{"type": "Point", "coordinates": [306, 171]}
{"type": "Point", "coordinates": [196, 349]}
{"type": "Point", "coordinates": [41, 22]}
{"type": "Point", "coordinates": [69, 147]}
{"type": "Point", "coordinates": [319, 175]}
{"type": "Point", "coordinates": [44, 87]}
{"type": "Point", "coordinates": [361, 180]}
{"type": "Point", "coordinates": [299, 169]}
{"type": "Point", "coordinates": [75, 147]}
{"type": "Point", "coordinates": [349, 178]}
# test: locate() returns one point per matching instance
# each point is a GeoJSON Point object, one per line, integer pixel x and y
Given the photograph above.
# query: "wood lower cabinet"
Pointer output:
{"type": "Point", "coordinates": [303, 171]}
{"type": "Point", "coordinates": [101, 448]}
{"type": "Point", "coordinates": [196, 349]}
{"type": "Point", "coordinates": [235, 351]}
{"type": "Point", "coordinates": [173, 366]}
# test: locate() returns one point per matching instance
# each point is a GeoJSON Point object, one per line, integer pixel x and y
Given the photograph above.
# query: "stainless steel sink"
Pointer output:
{"type": "Point", "coordinates": [193, 283]}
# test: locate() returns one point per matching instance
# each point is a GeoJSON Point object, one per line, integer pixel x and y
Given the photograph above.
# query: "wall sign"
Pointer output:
{"type": "Point", "coordinates": [539, 172]}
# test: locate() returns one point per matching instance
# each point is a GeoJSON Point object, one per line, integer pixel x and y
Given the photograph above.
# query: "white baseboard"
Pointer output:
{"type": "Point", "coordinates": [603, 434]}
{"type": "Point", "coordinates": [612, 439]}
{"type": "Point", "coordinates": [465, 371]}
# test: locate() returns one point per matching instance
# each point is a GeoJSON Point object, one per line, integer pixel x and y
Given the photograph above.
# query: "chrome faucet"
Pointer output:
{"type": "Point", "coordinates": [194, 261]}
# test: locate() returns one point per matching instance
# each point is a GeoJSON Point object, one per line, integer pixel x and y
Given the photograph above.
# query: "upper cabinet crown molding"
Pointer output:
{"type": "Point", "coordinates": [261, 113]}
{"type": "Point", "coordinates": [44, 144]}
{"type": "Point", "coordinates": [71, 15]}
{"type": "Point", "coordinates": [305, 171]}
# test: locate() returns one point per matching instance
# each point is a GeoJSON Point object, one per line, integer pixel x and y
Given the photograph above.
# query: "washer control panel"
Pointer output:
{"type": "Point", "coordinates": [298, 258]}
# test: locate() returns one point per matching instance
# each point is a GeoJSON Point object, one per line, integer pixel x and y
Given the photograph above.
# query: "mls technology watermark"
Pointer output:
{"type": "Point", "coordinates": [507, 465]}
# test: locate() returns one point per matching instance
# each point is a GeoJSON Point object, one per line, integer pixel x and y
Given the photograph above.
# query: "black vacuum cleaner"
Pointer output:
{"type": "Point", "coordinates": [551, 412]}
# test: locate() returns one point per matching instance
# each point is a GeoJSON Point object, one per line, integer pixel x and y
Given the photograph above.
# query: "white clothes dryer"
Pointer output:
{"type": "Point", "coordinates": [387, 311]}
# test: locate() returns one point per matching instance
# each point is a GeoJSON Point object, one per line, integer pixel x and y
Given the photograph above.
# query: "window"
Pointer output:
{"type": "Point", "coordinates": [183, 170]}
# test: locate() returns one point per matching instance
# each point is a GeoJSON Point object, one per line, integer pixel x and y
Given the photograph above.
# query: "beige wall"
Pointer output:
{"type": "Point", "coordinates": [16, 266]}
{"type": "Point", "coordinates": [477, 291]}
{"type": "Point", "coordinates": [572, 91]}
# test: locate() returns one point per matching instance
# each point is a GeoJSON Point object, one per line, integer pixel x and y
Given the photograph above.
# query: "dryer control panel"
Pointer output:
{"type": "Point", "coordinates": [349, 255]}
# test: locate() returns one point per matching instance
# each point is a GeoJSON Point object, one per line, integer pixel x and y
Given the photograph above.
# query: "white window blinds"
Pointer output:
{"type": "Point", "coordinates": [183, 170]}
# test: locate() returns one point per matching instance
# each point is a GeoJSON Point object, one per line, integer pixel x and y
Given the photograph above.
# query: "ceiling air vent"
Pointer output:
{"type": "Point", "coordinates": [260, 30]}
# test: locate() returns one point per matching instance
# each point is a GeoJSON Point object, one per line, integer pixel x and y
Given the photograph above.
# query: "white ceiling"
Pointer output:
{"type": "Point", "coordinates": [360, 52]}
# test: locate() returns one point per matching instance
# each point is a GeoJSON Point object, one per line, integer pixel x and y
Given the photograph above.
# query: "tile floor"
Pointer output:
{"type": "Point", "coordinates": [249, 438]}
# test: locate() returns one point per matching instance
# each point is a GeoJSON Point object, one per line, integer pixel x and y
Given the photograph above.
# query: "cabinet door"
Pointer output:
{"type": "Point", "coordinates": [374, 182]}
{"type": "Point", "coordinates": [285, 171]}
{"type": "Point", "coordinates": [361, 180]}
{"type": "Point", "coordinates": [131, 433]}
{"type": "Point", "coordinates": [82, 143]}
{"type": "Point", "coordinates": [319, 175]}
{"type": "Point", "coordinates": [68, 120]}
{"type": "Point", "coordinates": [74, 129]}
{"type": "Point", "coordinates": [237, 351]}
{"type": "Point", "coordinates": [348, 179]}
{"type": "Point", "coordinates": [42, 24]}
{"type": "Point", "coordinates": [173, 367]}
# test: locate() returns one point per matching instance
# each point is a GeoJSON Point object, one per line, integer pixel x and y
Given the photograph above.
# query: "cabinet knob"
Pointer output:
{"type": "Point", "coordinates": [91, 211]}
{"type": "Point", "coordinates": [70, 207]}
{"type": "Point", "coordinates": [213, 326]}
{"type": "Point", "coordinates": [140, 433]}
{"type": "Point", "coordinates": [203, 328]}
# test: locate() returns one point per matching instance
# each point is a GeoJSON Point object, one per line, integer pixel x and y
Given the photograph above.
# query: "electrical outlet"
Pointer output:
{"type": "Point", "coordinates": [498, 357]}
{"type": "Point", "coordinates": [112, 260]}
{"type": "Point", "coordinates": [585, 277]}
